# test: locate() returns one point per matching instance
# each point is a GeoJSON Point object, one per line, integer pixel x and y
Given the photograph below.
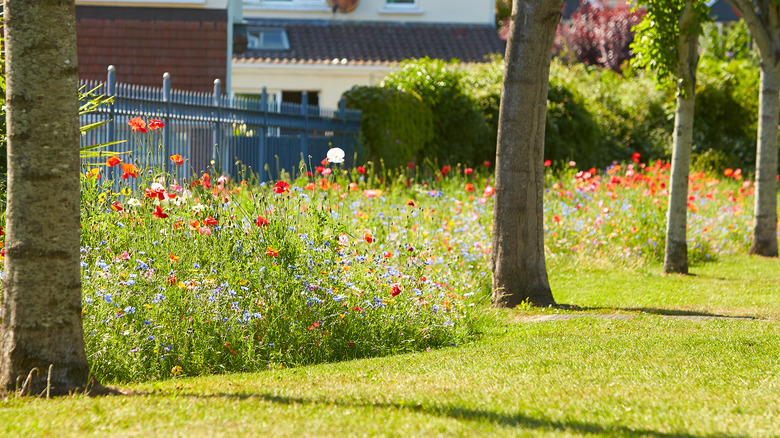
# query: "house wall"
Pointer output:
{"type": "Point", "coordinates": [145, 42]}
{"type": "Point", "coordinates": [428, 11]}
{"type": "Point", "coordinates": [330, 81]}
{"type": "Point", "coordinates": [202, 4]}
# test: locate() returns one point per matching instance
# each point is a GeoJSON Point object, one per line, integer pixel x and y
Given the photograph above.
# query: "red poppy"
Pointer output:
{"type": "Point", "coordinates": [138, 124]}
{"type": "Point", "coordinates": [210, 221]}
{"type": "Point", "coordinates": [324, 162]}
{"type": "Point", "coordinates": [547, 163]}
{"type": "Point", "coordinates": [113, 161]}
{"type": "Point", "coordinates": [410, 165]}
{"type": "Point", "coordinates": [489, 191]}
{"type": "Point", "coordinates": [324, 184]}
{"type": "Point", "coordinates": [445, 170]}
{"type": "Point", "coordinates": [468, 171]}
{"type": "Point", "coordinates": [155, 124]}
{"type": "Point", "coordinates": [411, 203]}
{"type": "Point", "coordinates": [396, 290]}
{"type": "Point", "coordinates": [116, 206]}
{"type": "Point", "coordinates": [261, 221]}
{"type": "Point", "coordinates": [486, 163]}
{"type": "Point", "coordinates": [177, 159]}
{"type": "Point", "coordinates": [357, 309]}
{"type": "Point", "coordinates": [2, 232]}
{"type": "Point", "coordinates": [361, 170]}
{"type": "Point", "coordinates": [129, 170]}
{"type": "Point", "coordinates": [271, 252]}
{"type": "Point", "coordinates": [281, 187]}
{"type": "Point", "coordinates": [319, 169]}
{"type": "Point", "coordinates": [556, 218]}
{"type": "Point", "coordinates": [635, 157]}
{"type": "Point", "coordinates": [469, 187]}
{"type": "Point", "coordinates": [368, 237]}
{"type": "Point", "coordinates": [158, 212]}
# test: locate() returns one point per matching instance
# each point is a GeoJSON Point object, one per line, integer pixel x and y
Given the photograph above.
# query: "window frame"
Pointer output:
{"type": "Point", "coordinates": [260, 30]}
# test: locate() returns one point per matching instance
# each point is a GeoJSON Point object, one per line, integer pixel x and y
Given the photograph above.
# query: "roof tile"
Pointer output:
{"type": "Point", "coordinates": [368, 43]}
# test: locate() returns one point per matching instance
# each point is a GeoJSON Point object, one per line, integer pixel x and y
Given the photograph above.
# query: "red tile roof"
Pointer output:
{"type": "Point", "coordinates": [368, 43]}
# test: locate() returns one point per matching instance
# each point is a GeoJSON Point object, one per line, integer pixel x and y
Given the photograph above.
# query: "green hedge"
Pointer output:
{"type": "Point", "coordinates": [594, 116]}
{"type": "Point", "coordinates": [395, 125]}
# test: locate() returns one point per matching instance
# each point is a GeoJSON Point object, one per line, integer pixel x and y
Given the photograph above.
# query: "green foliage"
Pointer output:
{"type": "Point", "coordinates": [657, 35]}
{"type": "Point", "coordinates": [727, 41]}
{"type": "Point", "coordinates": [461, 134]}
{"type": "Point", "coordinates": [724, 133]}
{"type": "Point", "coordinates": [395, 125]}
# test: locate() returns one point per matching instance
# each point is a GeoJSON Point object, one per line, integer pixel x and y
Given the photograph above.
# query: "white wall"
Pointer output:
{"type": "Point", "coordinates": [205, 4]}
{"type": "Point", "coordinates": [330, 81]}
{"type": "Point", "coordinates": [429, 11]}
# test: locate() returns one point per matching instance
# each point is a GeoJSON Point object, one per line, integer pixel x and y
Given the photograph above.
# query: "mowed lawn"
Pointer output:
{"type": "Point", "coordinates": [652, 374]}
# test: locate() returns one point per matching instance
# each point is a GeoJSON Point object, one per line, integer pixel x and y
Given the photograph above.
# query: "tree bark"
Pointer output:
{"type": "Point", "coordinates": [765, 207]}
{"type": "Point", "coordinates": [518, 264]}
{"type": "Point", "coordinates": [41, 308]}
{"type": "Point", "coordinates": [763, 20]}
{"type": "Point", "coordinates": [676, 250]}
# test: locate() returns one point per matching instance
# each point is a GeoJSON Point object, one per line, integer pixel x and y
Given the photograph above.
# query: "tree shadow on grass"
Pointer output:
{"type": "Point", "coordinates": [670, 312]}
{"type": "Point", "coordinates": [517, 420]}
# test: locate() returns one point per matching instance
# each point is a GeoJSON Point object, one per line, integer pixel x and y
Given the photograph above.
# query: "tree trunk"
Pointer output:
{"type": "Point", "coordinates": [765, 209]}
{"type": "Point", "coordinates": [676, 250]}
{"type": "Point", "coordinates": [41, 309]}
{"type": "Point", "coordinates": [519, 270]}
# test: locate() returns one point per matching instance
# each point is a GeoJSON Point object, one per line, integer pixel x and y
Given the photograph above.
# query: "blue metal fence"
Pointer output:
{"type": "Point", "coordinates": [216, 133]}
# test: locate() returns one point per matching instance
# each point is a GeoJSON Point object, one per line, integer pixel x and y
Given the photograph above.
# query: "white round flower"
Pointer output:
{"type": "Point", "coordinates": [134, 202]}
{"type": "Point", "coordinates": [336, 155]}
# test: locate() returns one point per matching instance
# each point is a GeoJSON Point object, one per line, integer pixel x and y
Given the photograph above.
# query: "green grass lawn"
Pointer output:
{"type": "Point", "coordinates": [650, 375]}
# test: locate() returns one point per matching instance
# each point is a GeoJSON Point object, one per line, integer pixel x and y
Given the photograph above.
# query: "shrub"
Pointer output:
{"type": "Point", "coordinates": [460, 131]}
{"type": "Point", "coordinates": [726, 114]}
{"type": "Point", "coordinates": [598, 35]}
{"type": "Point", "coordinates": [395, 124]}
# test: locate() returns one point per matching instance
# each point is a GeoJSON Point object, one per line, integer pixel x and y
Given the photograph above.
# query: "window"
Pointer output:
{"type": "Point", "coordinates": [267, 38]}
{"type": "Point", "coordinates": [401, 7]}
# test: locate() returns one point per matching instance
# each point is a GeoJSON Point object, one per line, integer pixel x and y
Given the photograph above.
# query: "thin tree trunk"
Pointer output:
{"type": "Point", "coordinates": [676, 250]}
{"type": "Point", "coordinates": [518, 264]}
{"type": "Point", "coordinates": [41, 309]}
{"type": "Point", "coordinates": [765, 209]}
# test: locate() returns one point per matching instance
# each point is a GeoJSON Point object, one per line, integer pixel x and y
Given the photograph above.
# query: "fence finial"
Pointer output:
{"type": "Point", "coordinates": [111, 68]}
{"type": "Point", "coordinates": [166, 75]}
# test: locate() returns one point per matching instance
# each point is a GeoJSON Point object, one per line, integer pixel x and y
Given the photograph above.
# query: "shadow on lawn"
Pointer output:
{"type": "Point", "coordinates": [669, 312]}
{"type": "Point", "coordinates": [518, 420]}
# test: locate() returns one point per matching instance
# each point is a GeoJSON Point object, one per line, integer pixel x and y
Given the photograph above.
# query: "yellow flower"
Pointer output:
{"type": "Point", "coordinates": [126, 191]}
{"type": "Point", "coordinates": [177, 370]}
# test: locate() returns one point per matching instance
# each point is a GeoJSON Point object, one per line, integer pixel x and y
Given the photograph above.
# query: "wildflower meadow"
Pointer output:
{"type": "Point", "coordinates": [214, 274]}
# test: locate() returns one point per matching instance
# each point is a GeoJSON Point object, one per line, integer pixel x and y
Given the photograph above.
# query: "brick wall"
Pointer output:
{"type": "Point", "coordinates": [144, 43]}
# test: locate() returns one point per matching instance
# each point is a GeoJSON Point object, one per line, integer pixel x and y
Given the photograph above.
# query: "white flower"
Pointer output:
{"type": "Point", "coordinates": [157, 187]}
{"type": "Point", "coordinates": [336, 155]}
{"type": "Point", "coordinates": [134, 202]}
{"type": "Point", "coordinates": [198, 207]}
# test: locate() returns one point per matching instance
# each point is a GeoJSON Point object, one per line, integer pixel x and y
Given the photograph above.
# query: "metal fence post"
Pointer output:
{"type": "Point", "coordinates": [343, 134]}
{"type": "Point", "coordinates": [263, 132]}
{"type": "Point", "coordinates": [216, 138]}
{"type": "Point", "coordinates": [167, 119]}
{"type": "Point", "coordinates": [111, 92]}
{"type": "Point", "coordinates": [305, 130]}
